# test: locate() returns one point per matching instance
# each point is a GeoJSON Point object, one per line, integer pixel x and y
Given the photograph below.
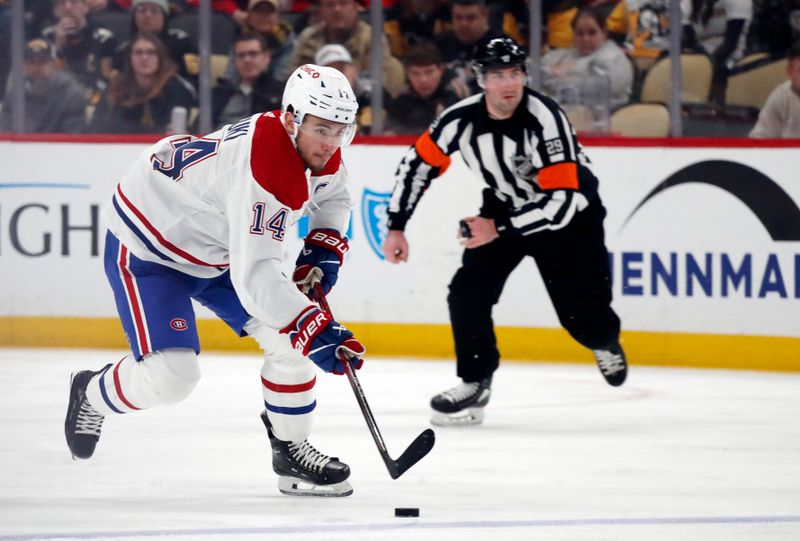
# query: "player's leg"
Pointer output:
{"type": "Point", "coordinates": [156, 314]}
{"type": "Point", "coordinates": [575, 267]}
{"type": "Point", "coordinates": [474, 291]}
{"type": "Point", "coordinates": [287, 382]}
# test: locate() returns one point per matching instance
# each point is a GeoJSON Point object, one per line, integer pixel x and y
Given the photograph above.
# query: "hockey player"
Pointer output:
{"type": "Point", "coordinates": [204, 219]}
{"type": "Point", "coordinates": [541, 201]}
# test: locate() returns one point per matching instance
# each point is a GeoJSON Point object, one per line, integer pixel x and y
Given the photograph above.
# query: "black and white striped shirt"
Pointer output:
{"type": "Point", "coordinates": [532, 162]}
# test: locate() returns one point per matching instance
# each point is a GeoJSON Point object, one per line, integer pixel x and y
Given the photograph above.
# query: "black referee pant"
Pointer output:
{"type": "Point", "coordinates": [573, 262]}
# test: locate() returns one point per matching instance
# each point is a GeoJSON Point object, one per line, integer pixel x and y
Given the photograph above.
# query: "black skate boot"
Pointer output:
{"type": "Point", "coordinates": [461, 405]}
{"type": "Point", "coordinates": [612, 364]}
{"type": "Point", "coordinates": [304, 471]}
{"type": "Point", "coordinates": [83, 423]}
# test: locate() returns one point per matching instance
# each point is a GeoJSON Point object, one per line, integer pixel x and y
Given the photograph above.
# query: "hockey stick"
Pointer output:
{"type": "Point", "coordinates": [418, 448]}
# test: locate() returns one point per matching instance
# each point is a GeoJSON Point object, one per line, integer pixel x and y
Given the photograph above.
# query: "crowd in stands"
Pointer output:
{"type": "Point", "coordinates": [127, 66]}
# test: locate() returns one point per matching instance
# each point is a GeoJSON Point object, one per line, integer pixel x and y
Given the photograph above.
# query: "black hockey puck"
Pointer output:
{"type": "Point", "coordinates": [406, 511]}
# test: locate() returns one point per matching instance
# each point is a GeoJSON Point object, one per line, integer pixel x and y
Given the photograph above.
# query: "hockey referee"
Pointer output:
{"type": "Point", "coordinates": [540, 200]}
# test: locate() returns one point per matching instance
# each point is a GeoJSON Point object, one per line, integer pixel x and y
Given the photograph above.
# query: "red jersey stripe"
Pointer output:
{"type": "Point", "coordinates": [164, 242]}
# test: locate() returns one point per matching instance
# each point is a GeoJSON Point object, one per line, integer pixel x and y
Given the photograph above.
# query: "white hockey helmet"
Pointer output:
{"type": "Point", "coordinates": [321, 91]}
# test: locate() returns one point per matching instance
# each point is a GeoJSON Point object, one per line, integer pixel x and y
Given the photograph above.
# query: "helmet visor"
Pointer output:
{"type": "Point", "coordinates": [334, 134]}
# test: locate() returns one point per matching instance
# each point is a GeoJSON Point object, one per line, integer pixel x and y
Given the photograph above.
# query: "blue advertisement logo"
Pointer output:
{"type": "Point", "coordinates": [374, 206]}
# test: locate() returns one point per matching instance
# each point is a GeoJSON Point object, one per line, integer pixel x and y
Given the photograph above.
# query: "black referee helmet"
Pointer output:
{"type": "Point", "coordinates": [497, 53]}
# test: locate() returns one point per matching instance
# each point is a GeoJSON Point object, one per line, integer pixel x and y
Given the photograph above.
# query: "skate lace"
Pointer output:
{"type": "Point", "coordinates": [608, 361]}
{"type": "Point", "coordinates": [308, 457]}
{"type": "Point", "coordinates": [89, 420]}
{"type": "Point", "coordinates": [462, 391]}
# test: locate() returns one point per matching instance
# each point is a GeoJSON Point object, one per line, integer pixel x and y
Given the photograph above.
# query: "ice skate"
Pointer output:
{"type": "Point", "coordinates": [304, 471]}
{"type": "Point", "coordinates": [83, 423]}
{"type": "Point", "coordinates": [461, 405]}
{"type": "Point", "coordinates": [612, 364]}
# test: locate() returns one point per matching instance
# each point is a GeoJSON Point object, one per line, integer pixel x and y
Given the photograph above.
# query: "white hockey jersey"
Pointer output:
{"type": "Point", "coordinates": [222, 202]}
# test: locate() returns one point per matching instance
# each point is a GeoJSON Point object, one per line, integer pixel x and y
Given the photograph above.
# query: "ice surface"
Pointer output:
{"type": "Point", "coordinates": [673, 454]}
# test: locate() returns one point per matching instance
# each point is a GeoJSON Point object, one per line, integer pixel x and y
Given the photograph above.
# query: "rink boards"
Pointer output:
{"type": "Point", "coordinates": [704, 243]}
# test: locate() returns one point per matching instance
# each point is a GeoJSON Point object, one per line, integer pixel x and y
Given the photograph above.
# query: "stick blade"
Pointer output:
{"type": "Point", "coordinates": [415, 452]}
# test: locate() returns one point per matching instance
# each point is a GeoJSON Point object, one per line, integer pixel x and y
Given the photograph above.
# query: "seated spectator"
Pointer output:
{"type": "Point", "coordinates": [54, 101]}
{"type": "Point", "coordinates": [470, 25]}
{"type": "Point", "coordinates": [263, 17]}
{"type": "Point", "coordinates": [140, 99]}
{"type": "Point", "coordinates": [341, 24]}
{"type": "Point", "coordinates": [430, 90]}
{"type": "Point", "coordinates": [251, 89]}
{"type": "Point", "coordinates": [719, 29]}
{"type": "Point", "coordinates": [337, 57]}
{"type": "Point", "coordinates": [594, 66]}
{"type": "Point", "coordinates": [86, 50]}
{"type": "Point", "coordinates": [780, 116]}
{"type": "Point", "coordinates": [152, 16]}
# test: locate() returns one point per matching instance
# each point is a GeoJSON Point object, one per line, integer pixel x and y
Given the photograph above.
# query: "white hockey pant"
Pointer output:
{"type": "Point", "coordinates": [287, 383]}
{"type": "Point", "coordinates": [162, 377]}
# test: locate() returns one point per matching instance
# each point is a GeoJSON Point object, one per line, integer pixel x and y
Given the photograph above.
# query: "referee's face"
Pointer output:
{"type": "Point", "coordinates": [504, 90]}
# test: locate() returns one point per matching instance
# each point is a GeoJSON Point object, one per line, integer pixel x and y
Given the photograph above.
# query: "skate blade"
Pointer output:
{"type": "Point", "coordinates": [470, 416]}
{"type": "Point", "coordinates": [293, 486]}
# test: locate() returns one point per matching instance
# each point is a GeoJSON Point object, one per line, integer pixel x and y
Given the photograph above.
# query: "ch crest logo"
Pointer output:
{"type": "Point", "coordinates": [374, 206]}
{"type": "Point", "coordinates": [179, 324]}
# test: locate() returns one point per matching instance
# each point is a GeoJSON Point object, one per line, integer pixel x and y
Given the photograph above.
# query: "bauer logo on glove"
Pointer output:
{"type": "Point", "coordinates": [319, 261]}
{"type": "Point", "coordinates": [323, 340]}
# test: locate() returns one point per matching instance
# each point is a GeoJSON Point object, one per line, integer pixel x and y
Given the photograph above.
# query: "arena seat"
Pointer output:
{"type": "Point", "coordinates": [695, 81]}
{"type": "Point", "coordinates": [752, 80]}
{"type": "Point", "coordinates": [641, 120]}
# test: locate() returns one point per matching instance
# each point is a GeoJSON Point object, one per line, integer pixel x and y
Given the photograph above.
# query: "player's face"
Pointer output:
{"type": "Point", "coordinates": [504, 89]}
{"type": "Point", "coordinates": [317, 140]}
{"type": "Point", "coordinates": [793, 71]}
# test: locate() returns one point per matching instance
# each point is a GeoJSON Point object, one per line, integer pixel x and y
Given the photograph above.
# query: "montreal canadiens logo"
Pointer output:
{"type": "Point", "coordinates": [179, 324]}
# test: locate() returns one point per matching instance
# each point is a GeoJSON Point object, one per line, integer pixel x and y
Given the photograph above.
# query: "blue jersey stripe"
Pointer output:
{"type": "Point", "coordinates": [291, 411]}
{"type": "Point", "coordinates": [138, 232]}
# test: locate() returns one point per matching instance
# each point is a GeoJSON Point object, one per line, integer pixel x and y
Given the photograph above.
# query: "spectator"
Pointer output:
{"type": "Point", "coordinates": [720, 29]}
{"type": "Point", "coordinates": [263, 17]}
{"type": "Point", "coordinates": [470, 25]}
{"type": "Point", "coordinates": [594, 67]}
{"type": "Point", "coordinates": [87, 50]}
{"type": "Point", "coordinates": [251, 89]}
{"type": "Point", "coordinates": [337, 57]}
{"type": "Point", "coordinates": [780, 116]}
{"type": "Point", "coordinates": [141, 98]}
{"type": "Point", "coordinates": [431, 89]}
{"type": "Point", "coordinates": [152, 16]}
{"type": "Point", "coordinates": [341, 24]}
{"type": "Point", "coordinates": [54, 101]}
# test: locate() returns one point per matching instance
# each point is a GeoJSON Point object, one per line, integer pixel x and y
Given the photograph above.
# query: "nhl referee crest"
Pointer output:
{"type": "Point", "coordinates": [373, 213]}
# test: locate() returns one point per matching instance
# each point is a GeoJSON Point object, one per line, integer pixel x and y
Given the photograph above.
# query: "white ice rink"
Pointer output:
{"type": "Point", "coordinates": [674, 454]}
